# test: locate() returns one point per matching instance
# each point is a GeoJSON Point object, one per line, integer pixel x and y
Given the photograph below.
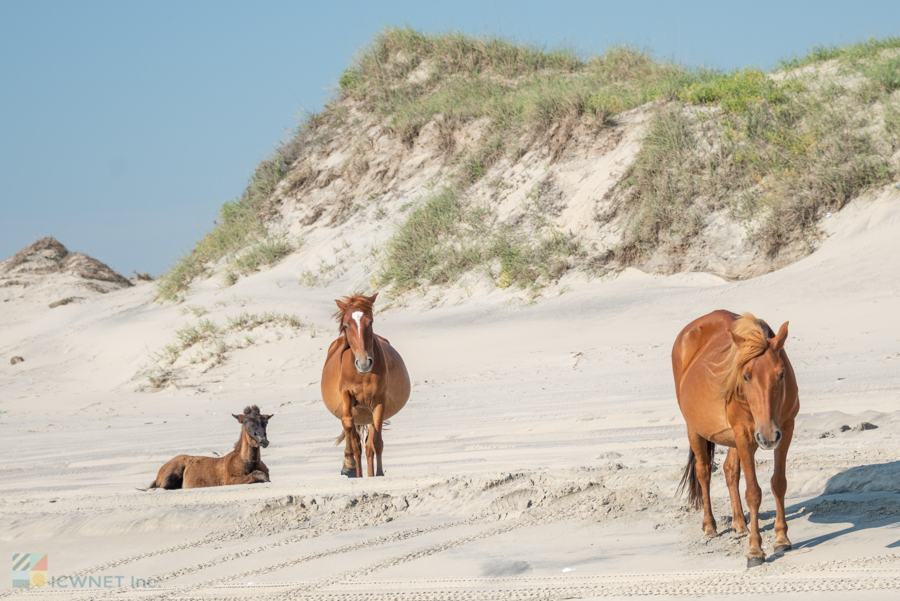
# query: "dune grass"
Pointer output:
{"type": "Point", "coordinates": [447, 236]}
{"type": "Point", "coordinates": [775, 151]}
{"type": "Point", "coordinates": [778, 154]}
{"type": "Point", "coordinates": [242, 221]}
{"type": "Point", "coordinates": [409, 79]}
{"type": "Point", "coordinates": [848, 53]}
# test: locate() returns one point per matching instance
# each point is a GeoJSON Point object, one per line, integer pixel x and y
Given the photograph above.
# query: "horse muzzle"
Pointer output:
{"type": "Point", "coordinates": [770, 442]}
{"type": "Point", "coordinates": [263, 443]}
{"type": "Point", "coordinates": [364, 367]}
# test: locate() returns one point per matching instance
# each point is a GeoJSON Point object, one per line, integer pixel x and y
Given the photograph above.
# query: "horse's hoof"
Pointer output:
{"type": "Point", "coordinates": [753, 562]}
{"type": "Point", "coordinates": [783, 548]}
{"type": "Point", "coordinates": [348, 473]}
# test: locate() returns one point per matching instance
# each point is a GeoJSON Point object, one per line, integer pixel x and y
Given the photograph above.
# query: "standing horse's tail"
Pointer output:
{"type": "Point", "coordinates": [361, 431]}
{"type": "Point", "coordinates": [690, 480]}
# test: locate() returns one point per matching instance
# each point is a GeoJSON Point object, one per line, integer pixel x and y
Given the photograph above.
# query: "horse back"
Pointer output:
{"type": "Point", "coordinates": [697, 342]}
{"type": "Point", "coordinates": [695, 354]}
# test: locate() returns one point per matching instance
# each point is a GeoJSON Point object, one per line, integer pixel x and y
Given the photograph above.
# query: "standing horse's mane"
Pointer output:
{"type": "Point", "coordinates": [355, 301]}
{"type": "Point", "coordinates": [747, 327]}
{"type": "Point", "coordinates": [252, 411]}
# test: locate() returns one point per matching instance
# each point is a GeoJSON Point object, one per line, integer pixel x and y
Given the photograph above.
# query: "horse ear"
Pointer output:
{"type": "Point", "coordinates": [373, 297]}
{"type": "Point", "coordinates": [341, 305]}
{"type": "Point", "coordinates": [780, 338]}
{"type": "Point", "coordinates": [240, 417]}
{"type": "Point", "coordinates": [268, 417]}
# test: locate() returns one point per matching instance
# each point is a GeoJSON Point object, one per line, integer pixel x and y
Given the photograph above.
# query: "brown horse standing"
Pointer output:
{"type": "Point", "coordinates": [364, 383]}
{"type": "Point", "coordinates": [243, 465]}
{"type": "Point", "coordinates": [736, 388]}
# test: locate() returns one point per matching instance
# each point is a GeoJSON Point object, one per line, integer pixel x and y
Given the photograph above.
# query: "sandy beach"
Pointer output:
{"type": "Point", "coordinates": [537, 458]}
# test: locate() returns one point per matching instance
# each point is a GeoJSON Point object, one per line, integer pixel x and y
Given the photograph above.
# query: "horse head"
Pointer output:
{"type": "Point", "coordinates": [761, 369]}
{"type": "Point", "coordinates": [355, 318]}
{"type": "Point", "coordinates": [254, 425]}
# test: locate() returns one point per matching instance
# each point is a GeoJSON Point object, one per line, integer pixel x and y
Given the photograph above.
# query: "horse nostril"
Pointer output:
{"type": "Point", "coordinates": [758, 438]}
{"type": "Point", "coordinates": [777, 436]}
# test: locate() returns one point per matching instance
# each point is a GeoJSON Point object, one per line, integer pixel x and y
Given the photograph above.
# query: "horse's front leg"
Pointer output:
{"type": "Point", "coordinates": [251, 478]}
{"type": "Point", "coordinates": [377, 442]}
{"type": "Point", "coordinates": [350, 466]}
{"type": "Point", "coordinates": [733, 479]}
{"type": "Point", "coordinates": [747, 452]}
{"type": "Point", "coordinates": [779, 488]}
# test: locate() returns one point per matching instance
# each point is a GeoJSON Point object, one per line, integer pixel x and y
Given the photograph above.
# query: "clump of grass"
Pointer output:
{"type": "Point", "coordinates": [446, 236]}
{"type": "Point", "coordinates": [410, 78]}
{"type": "Point", "coordinates": [778, 155]}
{"type": "Point", "coordinates": [241, 221]}
{"type": "Point", "coordinates": [213, 341]}
{"type": "Point", "coordinates": [737, 91]}
{"type": "Point", "coordinates": [892, 124]}
{"type": "Point", "coordinates": [858, 51]}
{"type": "Point", "coordinates": [196, 310]}
{"type": "Point", "coordinates": [265, 252]}
{"type": "Point", "coordinates": [249, 321]}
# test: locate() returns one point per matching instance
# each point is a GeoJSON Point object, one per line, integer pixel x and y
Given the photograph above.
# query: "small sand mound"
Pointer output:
{"type": "Point", "coordinates": [49, 266]}
{"type": "Point", "coordinates": [48, 255]}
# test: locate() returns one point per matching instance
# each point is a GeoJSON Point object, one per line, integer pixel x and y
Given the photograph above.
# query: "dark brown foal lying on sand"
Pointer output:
{"type": "Point", "coordinates": [241, 466]}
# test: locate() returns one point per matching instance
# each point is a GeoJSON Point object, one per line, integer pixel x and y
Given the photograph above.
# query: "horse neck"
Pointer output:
{"type": "Point", "coordinates": [248, 453]}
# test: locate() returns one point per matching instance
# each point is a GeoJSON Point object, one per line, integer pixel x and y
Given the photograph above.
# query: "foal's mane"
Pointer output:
{"type": "Point", "coordinates": [354, 301]}
{"type": "Point", "coordinates": [731, 384]}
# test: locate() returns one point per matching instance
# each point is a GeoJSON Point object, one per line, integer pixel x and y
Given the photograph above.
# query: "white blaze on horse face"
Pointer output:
{"type": "Point", "coordinates": [357, 316]}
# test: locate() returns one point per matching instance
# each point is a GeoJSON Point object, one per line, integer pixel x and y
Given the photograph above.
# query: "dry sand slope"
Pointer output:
{"type": "Point", "coordinates": [537, 457]}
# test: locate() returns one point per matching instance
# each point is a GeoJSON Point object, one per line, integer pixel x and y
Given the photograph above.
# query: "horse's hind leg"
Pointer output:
{"type": "Point", "coordinates": [370, 450]}
{"type": "Point", "coordinates": [779, 488]}
{"type": "Point", "coordinates": [357, 452]}
{"type": "Point", "coordinates": [703, 463]}
{"type": "Point", "coordinates": [173, 481]}
{"type": "Point", "coordinates": [349, 468]}
{"type": "Point", "coordinates": [733, 479]}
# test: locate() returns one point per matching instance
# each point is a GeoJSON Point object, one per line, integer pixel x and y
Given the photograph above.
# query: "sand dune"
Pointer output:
{"type": "Point", "coordinates": [537, 458]}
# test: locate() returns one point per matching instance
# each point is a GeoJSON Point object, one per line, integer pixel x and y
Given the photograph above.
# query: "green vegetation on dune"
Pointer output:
{"type": "Point", "coordinates": [447, 236]}
{"type": "Point", "coordinates": [849, 53]}
{"type": "Point", "coordinates": [779, 153]}
{"type": "Point", "coordinates": [408, 78]}
{"type": "Point", "coordinates": [240, 223]}
{"type": "Point", "coordinates": [774, 150]}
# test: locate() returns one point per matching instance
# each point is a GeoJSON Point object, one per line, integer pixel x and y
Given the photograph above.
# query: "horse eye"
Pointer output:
{"type": "Point", "coordinates": [746, 377]}
{"type": "Point", "coordinates": [781, 377]}
{"type": "Point", "coordinates": [346, 325]}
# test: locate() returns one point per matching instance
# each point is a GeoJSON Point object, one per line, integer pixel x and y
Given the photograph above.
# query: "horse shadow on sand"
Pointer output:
{"type": "Point", "coordinates": [866, 496]}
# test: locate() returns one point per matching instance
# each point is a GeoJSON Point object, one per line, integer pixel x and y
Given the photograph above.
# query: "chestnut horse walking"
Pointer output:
{"type": "Point", "coordinates": [364, 383]}
{"type": "Point", "coordinates": [243, 465]}
{"type": "Point", "coordinates": [736, 388]}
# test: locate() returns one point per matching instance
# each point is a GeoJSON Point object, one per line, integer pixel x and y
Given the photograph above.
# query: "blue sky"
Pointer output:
{"type": "Point", "coordinates": [125, 125]}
